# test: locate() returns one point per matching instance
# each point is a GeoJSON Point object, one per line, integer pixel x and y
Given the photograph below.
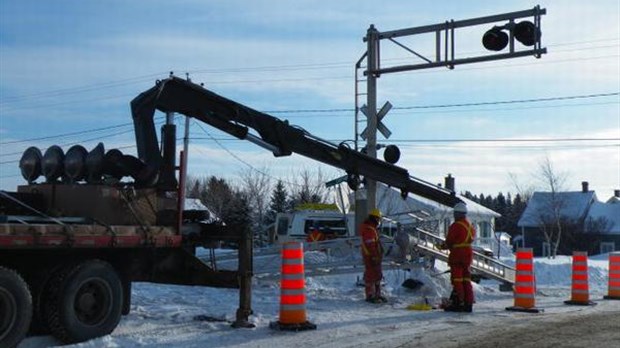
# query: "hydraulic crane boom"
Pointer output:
{"type": "Point", "coordinates": [178, 95]}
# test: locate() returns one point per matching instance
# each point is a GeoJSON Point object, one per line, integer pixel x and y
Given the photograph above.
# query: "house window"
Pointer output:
{"type": "Point", "coordinates": [485, 229]}
{"type": "Point", "coordinates": [608, 247]}
{"type": "Point", "coordinates": [546, 249]}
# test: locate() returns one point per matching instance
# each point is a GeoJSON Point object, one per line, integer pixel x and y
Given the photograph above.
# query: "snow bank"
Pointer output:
{"type": "Point", "coordinates": [163, 315]}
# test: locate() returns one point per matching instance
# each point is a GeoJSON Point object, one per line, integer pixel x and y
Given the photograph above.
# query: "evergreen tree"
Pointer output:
{"type": "Point", "coordinates": [517, 208]}
{"type": "Point", "coordinates": [240, 212]}
{"type": "Point", "coordinates": [278, 203]}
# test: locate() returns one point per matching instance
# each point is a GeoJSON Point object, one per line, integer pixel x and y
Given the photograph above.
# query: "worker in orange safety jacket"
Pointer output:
{"type": "Point", "coordinates": [372, 253]}
{"type": "Point", "coordinates": [315, 235]}
{"type": "Point", "coordinates": [460, 236]}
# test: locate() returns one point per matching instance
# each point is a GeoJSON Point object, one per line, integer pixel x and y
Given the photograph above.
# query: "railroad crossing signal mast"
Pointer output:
{"type": "Point", "coordinates": [503, 34]}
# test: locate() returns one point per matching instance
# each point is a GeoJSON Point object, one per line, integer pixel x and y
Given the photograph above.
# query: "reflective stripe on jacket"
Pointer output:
{"type": "Point", "coordinates": [371, 244]}
{"type": "Point", "coordinates": [460, 236]}
{"type": "Point", "coordinates": [315, 236]}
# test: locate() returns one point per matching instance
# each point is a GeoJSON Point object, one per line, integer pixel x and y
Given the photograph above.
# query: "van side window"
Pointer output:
{"type": "Point", "coordinates": [282, 226]}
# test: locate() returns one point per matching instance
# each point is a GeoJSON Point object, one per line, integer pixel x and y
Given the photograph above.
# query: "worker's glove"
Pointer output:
{"type": "Point", "coordinates": [441, 246]}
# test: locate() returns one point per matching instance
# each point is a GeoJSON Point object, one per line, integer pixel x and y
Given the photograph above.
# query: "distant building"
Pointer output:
{"type": "Point", "coordinates": [434, 217]}
{"type": "Point", "coordinates": [588, 224]}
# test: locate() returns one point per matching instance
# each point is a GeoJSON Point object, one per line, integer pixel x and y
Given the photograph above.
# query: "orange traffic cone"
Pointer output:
{"type": "Point", "coordinates": [614, 277]}
{"type": "Point", "coordinates": [525, 283]}
{"type": "Point", "coordinates": [580, 294]}
{"type": "Point", "coordinates": [292, 290]}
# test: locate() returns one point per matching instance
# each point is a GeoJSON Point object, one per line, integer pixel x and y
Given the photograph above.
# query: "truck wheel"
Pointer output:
{"type": "Point", "coordinates": [15, 308]}
{"type": "Point", "coordinates": [84, 301]}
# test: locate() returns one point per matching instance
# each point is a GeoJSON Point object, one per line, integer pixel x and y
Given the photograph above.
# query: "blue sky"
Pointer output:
{"type": "Point", "coordinates": [74, 66]}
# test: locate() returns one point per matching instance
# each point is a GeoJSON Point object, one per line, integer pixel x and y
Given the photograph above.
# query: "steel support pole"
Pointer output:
{"type": "Point", "coordinates": [371, 143]}
{"type": "Point", "coordinates": [365, 199]}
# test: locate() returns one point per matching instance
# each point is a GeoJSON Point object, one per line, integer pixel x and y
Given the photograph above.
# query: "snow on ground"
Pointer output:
{"type": "Point", "coordinates": [163, 315]}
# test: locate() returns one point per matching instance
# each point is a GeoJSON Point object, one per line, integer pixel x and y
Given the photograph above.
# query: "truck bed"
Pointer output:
{"type": "Point", "coordinates": [17, 235]}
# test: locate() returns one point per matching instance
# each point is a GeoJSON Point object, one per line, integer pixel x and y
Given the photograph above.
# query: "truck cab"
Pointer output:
{"type": "Point", "coordinates": [297, 225]}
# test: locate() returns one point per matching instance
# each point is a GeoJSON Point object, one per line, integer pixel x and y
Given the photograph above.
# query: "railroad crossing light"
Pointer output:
{"type": "Point", "coordinates": [496, 39]}
{"type": "Point", "coordinates": [391, 154]}
{"type": "Point", "coordinates": [526, 33]}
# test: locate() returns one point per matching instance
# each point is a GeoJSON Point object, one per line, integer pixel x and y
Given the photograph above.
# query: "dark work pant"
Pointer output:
{"type": "Point", "coordinates": [460, 275]}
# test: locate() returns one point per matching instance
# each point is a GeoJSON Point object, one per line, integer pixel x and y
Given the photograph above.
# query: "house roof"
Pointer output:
{"type": "Point", "coordinates": [389, 200]}
{"type": "Point", "coordinates": [610, 212]}
{"type": "Point", "coordinates": [572, 205]}
{"type": "Point", "coordinates": [613, 200]}
{"type": "Point", "coordinates": [196, 204]}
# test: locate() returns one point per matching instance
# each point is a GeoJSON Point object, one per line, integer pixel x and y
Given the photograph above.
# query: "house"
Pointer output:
{"type": "Point", "coordinates": [603, 224]}
{"type": "Point", "coordinates": [434, 217]}
{"type": "Point", "coordinates": [587, 224]}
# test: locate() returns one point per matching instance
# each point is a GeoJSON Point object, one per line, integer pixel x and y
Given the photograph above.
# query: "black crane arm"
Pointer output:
{"type": "Point", "coordinates": [178, 95]}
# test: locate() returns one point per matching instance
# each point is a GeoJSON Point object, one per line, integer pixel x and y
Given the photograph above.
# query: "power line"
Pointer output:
{"type": "Point", "coordinates": [67, 134]}
{"type": "Point", "coordinates": [240, 159]}
{"type": "Point", "coordinates": [349, 113]}
{"type": "Point", "coordinates": [504, 140]}
{"type": "Point", "coordinates": [73, 133]}
{"type": "Point", "coordinates": [318, 79]}
{"type": "Point", "coordinates": [273, 68]}
{"type": "Point", "coordinates": [81, 89]}
{"type": "Point", "coordinates": [435, 106]}
{"type": "Point", "coordinates": [452, 140]}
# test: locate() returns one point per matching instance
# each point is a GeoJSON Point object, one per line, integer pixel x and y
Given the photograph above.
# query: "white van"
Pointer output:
{"type": "Point", "coordinates": [297, 225]}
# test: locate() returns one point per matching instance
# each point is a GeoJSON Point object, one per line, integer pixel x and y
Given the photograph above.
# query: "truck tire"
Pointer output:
{"type": "Point", "coordinates": [39, 283]}
{"type": "Point", "coordinates": [84, 301]}
{"type": "Point", "coordinates": [15, 308]}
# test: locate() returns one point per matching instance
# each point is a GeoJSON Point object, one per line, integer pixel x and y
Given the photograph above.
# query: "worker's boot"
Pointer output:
{"type": "Point", "coordinates": [455, 307]}
{"type": "Point", "coordinates": [467, 308]}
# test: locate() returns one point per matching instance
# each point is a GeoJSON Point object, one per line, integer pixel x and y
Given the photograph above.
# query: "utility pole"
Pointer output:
{"type": "Point", "coordinates": [371, 103]}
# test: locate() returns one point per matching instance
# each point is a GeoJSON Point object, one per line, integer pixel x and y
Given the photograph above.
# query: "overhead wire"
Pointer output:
{"type": "Point", "coordinates": [293, 67]}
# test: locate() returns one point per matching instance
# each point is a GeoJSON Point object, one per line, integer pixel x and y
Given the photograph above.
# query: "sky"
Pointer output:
{"type": "Point", "coordinates": [162, 315]}
{"type": "Point", "coordinates": [68, 70]}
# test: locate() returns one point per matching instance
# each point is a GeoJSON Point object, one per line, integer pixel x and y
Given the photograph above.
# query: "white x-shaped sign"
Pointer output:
{"type": "Point", "coordinates": [380, 115]}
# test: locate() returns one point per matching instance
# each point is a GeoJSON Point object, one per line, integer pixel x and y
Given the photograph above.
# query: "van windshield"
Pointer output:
{"type": "Point", "coordinates": [336, 226]}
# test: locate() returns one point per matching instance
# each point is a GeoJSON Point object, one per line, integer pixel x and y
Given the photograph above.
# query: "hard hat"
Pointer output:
{"type": "Point", "coordinates": [376, 213]}
{"type": "Point", "coordinates": [460, 208]}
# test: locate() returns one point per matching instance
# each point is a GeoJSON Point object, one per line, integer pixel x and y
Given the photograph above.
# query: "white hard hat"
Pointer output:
{"type": "Point", "coordinates": [460, 208]}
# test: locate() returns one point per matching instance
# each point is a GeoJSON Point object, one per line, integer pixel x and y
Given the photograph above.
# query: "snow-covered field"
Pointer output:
{"type": "Point", "coordinates": [163, 315]}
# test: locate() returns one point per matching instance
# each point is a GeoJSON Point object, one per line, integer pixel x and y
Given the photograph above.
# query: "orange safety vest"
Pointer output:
{"type": "Point", "coordinates": [371, 244]}
{"type": "Point", "coordinates": [469, 237]}
{"type": "Point", "coordinates": [460, 236]}
{"type": "Point", "coordinates": [315, 236]}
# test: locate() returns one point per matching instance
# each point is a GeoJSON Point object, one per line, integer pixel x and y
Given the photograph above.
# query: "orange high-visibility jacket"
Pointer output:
{"type": "Point", "coordinates": [315, 236]}
{"type": "Point", "coordinates": [460, 236]}
{"type": "Point", "coordinates": [371, 244]}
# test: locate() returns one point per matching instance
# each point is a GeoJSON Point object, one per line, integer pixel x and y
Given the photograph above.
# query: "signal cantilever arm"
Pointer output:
{"type": "Point", "coordinates": [182, 96]}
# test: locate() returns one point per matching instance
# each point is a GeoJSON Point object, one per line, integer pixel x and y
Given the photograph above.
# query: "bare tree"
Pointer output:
{"type": "Point", "coordinates": [257, 186]}
{"type": "Point", "coordinates": [550, 218]}
{"type": "Point", "coordinates": [525, 191]}
{"type": "Point", "coordinates": [309, 187]}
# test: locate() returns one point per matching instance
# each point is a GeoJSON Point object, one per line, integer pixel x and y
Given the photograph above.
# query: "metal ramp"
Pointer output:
{"type": "Point", "coordinates": [487, 267]}
{"type": "Point", "coordinates": [342, 255]}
